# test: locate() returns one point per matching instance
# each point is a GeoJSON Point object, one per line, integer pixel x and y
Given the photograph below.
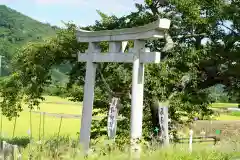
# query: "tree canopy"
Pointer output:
{"type": "Point", "coordinates": [205, 53]}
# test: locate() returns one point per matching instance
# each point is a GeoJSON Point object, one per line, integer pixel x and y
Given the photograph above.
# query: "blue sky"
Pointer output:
{"type": "Point", "coordinates": [81, 12]}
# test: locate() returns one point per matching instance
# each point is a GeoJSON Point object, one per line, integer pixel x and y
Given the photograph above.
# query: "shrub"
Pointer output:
{"type": "Point", "coordinates": [19, 141]}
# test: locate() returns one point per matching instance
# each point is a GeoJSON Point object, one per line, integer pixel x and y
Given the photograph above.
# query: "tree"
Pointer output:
{"type": "Point", "coordinates": [182, 78]}
{"type": "Point", "coordinates": [32, 70]}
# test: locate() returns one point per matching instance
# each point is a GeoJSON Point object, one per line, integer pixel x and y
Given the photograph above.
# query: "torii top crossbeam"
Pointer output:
{"type": "Point", "coordinates": [149, 31]}
{"type": "Point", "coordinates": [118, 40]}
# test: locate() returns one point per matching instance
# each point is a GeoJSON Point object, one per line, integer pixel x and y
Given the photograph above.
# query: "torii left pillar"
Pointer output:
{"type": "Point", "coordinates": [88, 98]}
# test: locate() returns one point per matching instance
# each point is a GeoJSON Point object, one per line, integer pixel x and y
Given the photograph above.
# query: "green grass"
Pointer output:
{"type": "Point", "coordinates": [224, 105]}
{"type": "Point", "coordinates": [51, 125]}
{"type": "Point", "coordinates": [71, 127]}
{"type": "Point", "coordinates": [55, 99]}
{"type": "Point", "coordinates": [225, 151]}
{"type": "Point", "coordinates": [228, 117]}
{"type": "Point", "coordinates": [235, 113]}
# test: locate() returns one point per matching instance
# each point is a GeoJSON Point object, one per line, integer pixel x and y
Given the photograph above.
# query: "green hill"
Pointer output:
{"type": "Point", "coordinates": [16, 30]}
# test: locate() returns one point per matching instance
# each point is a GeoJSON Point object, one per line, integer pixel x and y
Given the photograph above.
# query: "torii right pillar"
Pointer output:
{"type": "Point", "coordinates": [137, 96]}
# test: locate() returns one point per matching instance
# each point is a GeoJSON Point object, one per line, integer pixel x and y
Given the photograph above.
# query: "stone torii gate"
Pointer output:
{"type": "Point", "coordinates": [138, 56]}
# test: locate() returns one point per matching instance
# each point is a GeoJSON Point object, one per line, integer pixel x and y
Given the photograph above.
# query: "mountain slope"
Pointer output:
{"type": "Point", "coordinates": [16, 30]}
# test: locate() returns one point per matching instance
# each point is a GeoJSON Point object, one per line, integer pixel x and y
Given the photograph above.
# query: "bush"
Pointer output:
{"type": "Point", "coordinates": [56, 90]}
{"type": "Point", "coordinates": [19, 141]}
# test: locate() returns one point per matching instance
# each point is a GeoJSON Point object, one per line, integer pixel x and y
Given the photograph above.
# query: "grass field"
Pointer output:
{"type": "Point", "coordinates": [224, 105]}
{"type": "Point", "coordinates": [71, 126]}
{"type": "Point", "coordinates": [51, 125]}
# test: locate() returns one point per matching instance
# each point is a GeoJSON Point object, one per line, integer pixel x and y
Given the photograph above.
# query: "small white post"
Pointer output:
{"type": "Point", "coordinates": [203, 133]}
{"type": "Point", "coordinates": [88, 99]}
{"type": "Point", "coordinates": [137, 98]}
{"type": "Point", "coordinates": [190, 140]}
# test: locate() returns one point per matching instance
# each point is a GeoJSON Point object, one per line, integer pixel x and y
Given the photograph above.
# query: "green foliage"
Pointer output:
{"type": "Point", "coordinates": [56, 90]}
{"type": "Point", "coordinates": [219, 95]}
{"type": "Point", "coordinates": [32, 70]}
{"type": "Point", "coordinates": [19, 141]}
{"type": "Point", "coordinates": [183, 78]}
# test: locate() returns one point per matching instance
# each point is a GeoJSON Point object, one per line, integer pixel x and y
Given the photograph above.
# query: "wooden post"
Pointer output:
{"type": "Point", "coordinates": [9, 151]}
{"type": "Point", "coordinates": [59, 130]}
{"type": "Point", "coordinates": [30, 114]}
{"type": "Point", "coordinates": [30, 134]}
{"type": "Point", "coordinates": [15, 152]}
{"type": "Point", "coordinates": [14, 126]}
{"type": "Point", "coordinates": [1, 125]}
{"type": "Point", "coordinates": [43, 129]}
{"type": "Point", "coordinates": [4, 143]}
{"type": "Point", "coordinates": [163, 121]}
{"type": "Point", "coordinates": [1, 151]}
{"type": "Point", "coordinates": [88, 99]}
{"type": "Point", "coordinates": [190, 140]}
{"type": "Point", "coordinates": [39, 128]}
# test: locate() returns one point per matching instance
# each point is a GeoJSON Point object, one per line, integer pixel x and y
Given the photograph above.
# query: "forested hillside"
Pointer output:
{"type": "Point", "coordinates": [16, 30]}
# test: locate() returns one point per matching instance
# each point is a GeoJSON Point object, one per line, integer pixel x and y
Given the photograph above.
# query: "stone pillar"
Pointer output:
{"type": "Point", "coordinates": [88, 99]}
{"type": "Point", "coordinates": [137, 97]}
